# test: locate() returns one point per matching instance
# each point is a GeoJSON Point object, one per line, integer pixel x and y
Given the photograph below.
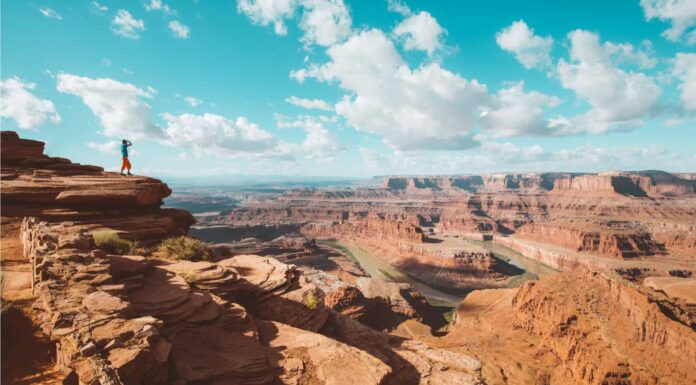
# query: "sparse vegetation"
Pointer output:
{"type": "Point", "coordinates": [188, 276]}
{"type": "Point", "coordinates": [5, 305]}
{"type": "Point", "coordinates": [187, 248]}
{"type": "Point", "coordinates": [310, 300]}
{"type": "Point", "coordinates": [110, 242]}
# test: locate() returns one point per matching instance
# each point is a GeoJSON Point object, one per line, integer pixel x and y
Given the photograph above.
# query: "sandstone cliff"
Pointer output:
{"type": "Point", "coordinates": [133, 319]}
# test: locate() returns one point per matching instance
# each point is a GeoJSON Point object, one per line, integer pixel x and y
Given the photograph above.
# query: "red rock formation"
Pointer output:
{"type": "Point", "coordinates": [579, 328]}
{"type": "Point", "coordinates": [604, 241]}
{"type": "Point", "coordinates": [135, 320]}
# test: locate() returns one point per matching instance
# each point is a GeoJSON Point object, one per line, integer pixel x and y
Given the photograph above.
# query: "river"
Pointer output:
{"type": "Point", "coordinates": [377, 268]}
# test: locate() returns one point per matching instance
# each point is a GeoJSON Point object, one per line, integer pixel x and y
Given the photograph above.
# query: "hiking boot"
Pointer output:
{"type": "Point", "coordinates": [129, 174]}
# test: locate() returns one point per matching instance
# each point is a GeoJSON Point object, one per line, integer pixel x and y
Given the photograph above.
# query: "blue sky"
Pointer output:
{"type": "Point", "coordinates": [334, 88]}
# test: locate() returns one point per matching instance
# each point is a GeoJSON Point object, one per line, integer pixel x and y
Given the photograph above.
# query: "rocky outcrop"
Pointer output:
{"type": "Point", "coordinates": [36, 185]}
{"type": "Point", "coordinates": [373, 227]}
{"type": "Point", "coordinates": [604, 241]}
{"type": "Point", "coordinates": [617, 313]}
{"type": "Point", "coordinates": [575, 328]}
{"type": "Point", "coordinates": [132, 320]}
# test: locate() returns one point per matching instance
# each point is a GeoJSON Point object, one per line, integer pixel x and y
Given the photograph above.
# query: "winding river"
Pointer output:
{"type": "Point", "coordinates": [377, 268]}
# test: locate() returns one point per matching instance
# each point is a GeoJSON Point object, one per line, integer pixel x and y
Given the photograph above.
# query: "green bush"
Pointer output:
{"type": "Point", "coordinates": [110, 242]}
{"type": "Point", "coordinates": [190, 249]}
{"type": "Point", "coordinates": [310, 300]}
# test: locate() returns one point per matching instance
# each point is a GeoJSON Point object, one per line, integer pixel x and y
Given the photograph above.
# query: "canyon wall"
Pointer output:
{"type": "Point", "coordinates": [575, 328]}
{"type": "Point", "coordinates": [135, 319]}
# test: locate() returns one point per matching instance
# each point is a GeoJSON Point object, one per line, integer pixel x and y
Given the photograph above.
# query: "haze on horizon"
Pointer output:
{"type": "Point", "coordinates": [354, 88]}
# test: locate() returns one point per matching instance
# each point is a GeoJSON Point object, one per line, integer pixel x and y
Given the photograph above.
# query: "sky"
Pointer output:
{"type": "Point", "coordinates": [354, 88]}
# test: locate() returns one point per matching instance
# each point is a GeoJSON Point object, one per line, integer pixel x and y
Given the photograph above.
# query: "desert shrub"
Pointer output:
{"type": "Point", "coordinates": [310, 300]}
{"type": "Point", "coordinates": [5, 305]}
{"type": "Point", "coordinates": [190, 249]}
{"type": "Point", "coordinates": [110, 242]}
{"type": "Point", "coordinates": [188, 276]}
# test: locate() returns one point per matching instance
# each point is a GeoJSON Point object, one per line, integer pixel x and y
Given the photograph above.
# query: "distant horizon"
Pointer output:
{"type": "Point", "coordinates": [354, 89]}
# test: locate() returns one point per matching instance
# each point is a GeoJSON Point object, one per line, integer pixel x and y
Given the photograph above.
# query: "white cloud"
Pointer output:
{"type": "Point", "coordinates": [98, 8]}
{"type": "Point", "coordinates": [216, 134]}
{"type": "Point", "coordinates": [124, 24]}
{"type": "Point", "coordinates": [399, 7]}
{"type": "Point", "coordinates": [325, 22]}
{"type": "Point", "coordinates": [182, 156]}
{"type": "Point", "coordinates": [158, 5]}
{"type": "Point", "coordinates": [193, 102]}
{"type": "Point", "coordinates": [119, 106]}
{"type": "Point", "coordinates": [515, 112]}
{"type": "Point", "coordinates": [625, 53]}
{"type": "Point", "coordinates": [531, 50]}
{"type": "Point", "coordinates": [685, 69]}
{"type": "Point", "coordinates": [266, 12]}
{"type": "Point", "coordinates": [27, 110]}
{"type": "Point", "coordinates": [420, 32]}
{"type": "Point", "coordinates": [375, 159]}
{"type": "Point", "coordinates": [618, 98]}
{"type": "Point", "coordinates": [320, 142]}
{"type": "Point", "coordinates": [428, 107]}
{"type": "Point", "coordinates": [111, 147]}
{"type": "Point", "coordinates": [179, 30]}
{"type": "Point", "coordinates": [310, 103]}
{"type": "Point", "coordinates": [50, 13]}
{"type": "Point", "coordinates": [680, 13]}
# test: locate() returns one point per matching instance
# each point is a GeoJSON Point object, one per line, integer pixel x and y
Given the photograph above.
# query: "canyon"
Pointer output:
{"type": "Point", "coordinates": [538, 278]}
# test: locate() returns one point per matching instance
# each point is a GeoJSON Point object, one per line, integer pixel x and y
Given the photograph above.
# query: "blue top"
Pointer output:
{"type": "Point", "coordinates": [124, 149]}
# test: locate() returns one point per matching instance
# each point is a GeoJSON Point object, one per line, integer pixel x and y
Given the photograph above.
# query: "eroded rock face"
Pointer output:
{"type": "Point", "coordinates": [245, 319]}
{"type": "Point", "coordinates": [86, 197]}
{"type": "Point", "coordinates": [134, 320]}
{"type": "Point", "coordinates": [580, 328]}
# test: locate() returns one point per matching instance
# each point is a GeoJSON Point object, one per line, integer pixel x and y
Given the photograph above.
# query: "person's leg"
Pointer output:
{"type": "Point", "coordinates": [128, 166]}
{"type": "Point", "coordinates": [124, 163]}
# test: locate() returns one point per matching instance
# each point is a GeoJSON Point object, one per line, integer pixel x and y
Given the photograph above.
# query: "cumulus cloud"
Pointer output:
{"type": "Point", "coordinates": [267, 12]}
{"type": "Point", "coordinates": [310, 103]}
{"type": "Point", "coordinates": [179, 30]}
{"type": "Point", "coordinates": [320, 142]}
{"type": "Point", "coordinates": [111, 147]}
{"type": "Point", "coordinates": [532, 51]}
{"type": "Point", "coordinates": [618, 98]}
{"type": "Point", "coordinates": [508, 157]}
{"type": "Point", "coordinates": [399, 7]}
{"type": "Point", "coordinates": [625, 53]}
{"type": "Point", "coordinates": [158, 5]}
{"type": "Point", "coordinates": [27, 110]}
{"type": "Point", "coordinates": [324, 22]}
{"type": "Point", "coordinates": [50, 13]}
{"type": "Point", "coordinates": [684, 68]}
{"type": "Point", "coordinates": [428, 107]}
{"type": "Point", "coordinates": [420, 32]}
{"type": "Point", "coordinates": [193, 102]}
{"type": "Point", "coordinates": [119, 106]}
{"type": "Point", "coordinates": [218, 134]}
{"type": "Point", "coordinates": [680, 13]}
{"type": "Point", "coordinates": [124, 24]}
{"type": "Point", "coordinates": [514, 112]}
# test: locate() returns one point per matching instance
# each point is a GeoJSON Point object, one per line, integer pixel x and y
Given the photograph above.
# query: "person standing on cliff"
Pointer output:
{"type": "Point", "coordinates": [125, 165]}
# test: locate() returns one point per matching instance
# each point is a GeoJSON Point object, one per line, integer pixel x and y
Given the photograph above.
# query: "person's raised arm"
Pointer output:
{"type": "Point", "coordinates": [129, 143]}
